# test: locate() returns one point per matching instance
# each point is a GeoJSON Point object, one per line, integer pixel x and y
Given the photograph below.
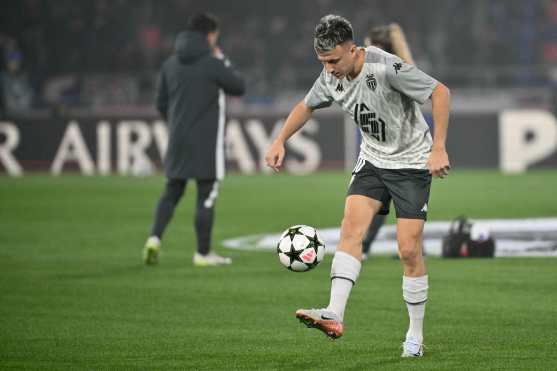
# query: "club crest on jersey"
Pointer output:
{"type": "Point", "coordinates": [371, 81]}
{"type": "Point", "coordinates": [339, 88]}
{"type": "Point", "coordinates": [397, 67]}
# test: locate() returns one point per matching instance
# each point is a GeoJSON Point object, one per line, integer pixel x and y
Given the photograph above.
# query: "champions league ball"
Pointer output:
{"type": "Point", "coordinates": [300, 248]}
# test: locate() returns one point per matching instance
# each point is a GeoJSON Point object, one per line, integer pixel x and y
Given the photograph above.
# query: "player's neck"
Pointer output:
{"type": "Point", "coordinates": [359, 65]}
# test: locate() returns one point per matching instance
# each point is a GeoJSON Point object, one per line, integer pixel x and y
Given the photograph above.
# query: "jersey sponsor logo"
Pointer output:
{"type": "Point", "coordinates": [371, 81]}
{"type": "Point", "coordinates": [369, 122]}
{"type": "Point", "coordinates": [339, 88]}
{"type": "Point", "coordinates": [397, 67]}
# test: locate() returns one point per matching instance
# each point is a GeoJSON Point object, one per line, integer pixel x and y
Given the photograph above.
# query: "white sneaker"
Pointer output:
{"type": "Point", "coordinates": [322, 319]}
{"type": "Point", "coordinates": [411, 348]}
{"type": "Point", "coordinates": [151, 250]}
{"type": "Point", "coordinates": [210, 259]}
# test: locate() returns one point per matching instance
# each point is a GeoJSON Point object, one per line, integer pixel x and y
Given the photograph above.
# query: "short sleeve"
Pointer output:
{"type": "Point", "coordinates": [410, 80]}
{"type": "Point", "coordinates": [319, 96]}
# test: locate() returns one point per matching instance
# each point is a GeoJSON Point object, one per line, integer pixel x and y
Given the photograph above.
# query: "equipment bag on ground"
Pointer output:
{"type": "Point", "coordinates": [466, 239]}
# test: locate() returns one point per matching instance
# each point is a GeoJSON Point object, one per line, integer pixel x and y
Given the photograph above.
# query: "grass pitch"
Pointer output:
{"type": "Point", "coordinates": [74, 293]}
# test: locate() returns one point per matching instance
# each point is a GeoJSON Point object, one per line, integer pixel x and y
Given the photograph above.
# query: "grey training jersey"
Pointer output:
{"type": "Point", "coordinates": [382, 101]}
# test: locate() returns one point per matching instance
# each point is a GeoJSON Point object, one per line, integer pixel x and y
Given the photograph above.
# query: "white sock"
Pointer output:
{"type": "Point", "coordinates": [414, 292]}
{"type": "Point", "coordinates": [344, 273]}
{"type": "Point", "coordinates": [154, 240]}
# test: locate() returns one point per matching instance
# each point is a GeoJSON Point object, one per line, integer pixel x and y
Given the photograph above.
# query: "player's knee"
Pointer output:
{"type": "Point", "coordinates": [408, 250]}
{"type": "Point", "coordinates": [408, 247]}
{"type": "Point", "coordinates": [171, 198]}
{"type": "Point", "coordinates": [352, 230]}
{"type": "Point", "coordinates": [174, 190]}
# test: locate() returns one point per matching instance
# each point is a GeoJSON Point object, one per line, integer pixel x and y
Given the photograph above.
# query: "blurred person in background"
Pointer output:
{"type": "Point", "coordinates": [191, 98]}
{"type": "Point", "coordinates": [16, 91]}
{"type": "Point", "coordinates": [391, 39]}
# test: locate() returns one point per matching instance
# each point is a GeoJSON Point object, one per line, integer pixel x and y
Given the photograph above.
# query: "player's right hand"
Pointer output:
{"type": "Point", "coordinates": [275, 155]}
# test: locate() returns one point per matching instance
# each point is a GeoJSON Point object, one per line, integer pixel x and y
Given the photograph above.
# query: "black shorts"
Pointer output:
{"type": "Point", "coordinates": [408, 188]}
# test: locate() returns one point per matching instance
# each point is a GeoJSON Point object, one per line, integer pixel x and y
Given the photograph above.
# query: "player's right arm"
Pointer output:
{"type": "Point", "coordinates": [318, 97]}
{"type": "Point", "coordinates": [299, 115]}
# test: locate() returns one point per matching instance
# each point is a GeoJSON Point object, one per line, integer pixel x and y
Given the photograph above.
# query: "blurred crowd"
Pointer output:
{"type": "Point", "coordinates": [107, 52]}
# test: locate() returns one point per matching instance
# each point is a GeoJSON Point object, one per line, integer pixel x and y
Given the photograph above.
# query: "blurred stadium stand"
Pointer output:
{"type": "Point", "coordinates": [102, 56]}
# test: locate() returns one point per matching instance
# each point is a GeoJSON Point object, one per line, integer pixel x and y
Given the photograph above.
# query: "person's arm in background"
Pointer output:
{"type": "Point", "coordinates": [399, 43]}
{"type": "Point", "coordinates": [228, 78]}
{"type": "Point", "coordinates": [162, 96]}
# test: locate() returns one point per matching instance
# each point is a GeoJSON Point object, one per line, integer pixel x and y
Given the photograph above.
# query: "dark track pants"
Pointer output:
{"type": "Point", "coordinates": [207, 192]}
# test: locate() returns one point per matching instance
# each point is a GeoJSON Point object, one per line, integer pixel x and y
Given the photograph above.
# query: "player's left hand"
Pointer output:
{"type": "Point", "coordinates": [438, 163]}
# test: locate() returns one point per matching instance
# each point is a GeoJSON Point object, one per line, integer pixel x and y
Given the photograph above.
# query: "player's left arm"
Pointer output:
{"type": "Point", "coordinates": [417, 85]}
{"type": "Point", "coordinates": [438, 162]}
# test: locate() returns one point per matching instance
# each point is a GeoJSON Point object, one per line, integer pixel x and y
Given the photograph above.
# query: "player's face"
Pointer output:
{"type": "Point", "coordinates": [340, 61]}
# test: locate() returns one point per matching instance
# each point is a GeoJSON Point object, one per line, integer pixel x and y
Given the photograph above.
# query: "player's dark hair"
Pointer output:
{"type": "Point", "coordinates": [380, 36]}
{"type": "Point", "coordinates": [332, 30]}
{"type": "Point", "coordinates": [203, 23]}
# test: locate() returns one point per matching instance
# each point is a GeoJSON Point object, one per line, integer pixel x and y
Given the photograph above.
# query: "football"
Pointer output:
{"type": "Point", "coordinates": [300, 248]}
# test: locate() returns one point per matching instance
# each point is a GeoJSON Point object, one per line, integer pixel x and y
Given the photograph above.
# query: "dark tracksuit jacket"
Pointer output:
{"type": "Point", "coordinates": [190, 97]}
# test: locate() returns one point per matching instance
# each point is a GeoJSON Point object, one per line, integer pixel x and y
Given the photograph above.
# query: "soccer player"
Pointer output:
{"type": "Point", "coordinates": [398, 158]}
{"type": "Point", "coordinates": [190, 96]}
{"type": "Point", "coordinates": [391, 39]}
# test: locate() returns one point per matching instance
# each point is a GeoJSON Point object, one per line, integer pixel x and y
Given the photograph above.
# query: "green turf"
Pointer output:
{"type": "Point", "coordinates": [74, 294]}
